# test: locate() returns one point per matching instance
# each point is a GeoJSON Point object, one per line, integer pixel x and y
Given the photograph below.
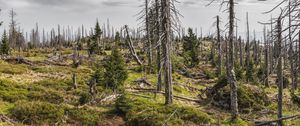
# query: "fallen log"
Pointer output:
{"type": "Point", "coordinates": [7, 120]}
{"type": "Point", "coordinates": [264, 123]}
{"type": "Point", "coordinates": [160, 92]}
{"type": "Point", "coordinates": [16, 60]}
{"type": "Point", "coordinates": [142, 82]}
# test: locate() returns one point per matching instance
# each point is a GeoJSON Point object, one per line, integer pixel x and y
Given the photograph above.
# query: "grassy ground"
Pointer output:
{"type": "Point", "coordinates": [42, 95]}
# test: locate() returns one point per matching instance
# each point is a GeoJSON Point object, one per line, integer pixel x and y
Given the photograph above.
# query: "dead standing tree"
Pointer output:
{"type": "Point", "coordinates": [169, 22]}
{"type": "Point", "coordinates": [230, 60]}
{"type": "Point", "coordinates": [230, 66]}
{"type": "Point", "coordinates": [219, 47]}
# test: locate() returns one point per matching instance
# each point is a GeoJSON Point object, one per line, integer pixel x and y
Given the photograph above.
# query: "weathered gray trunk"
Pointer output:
{"type": "Point", "coordinates": [247, 48]}
{"type": "Point", "coordinates": [131, 49]}
{"type": "Point", "coordinates": [279, 71]}
{"type": "Point", "coordinates": [166, 31]}
{"type": "Point", "coordinates": [241, 51]}
{"type": "Point", "coordinates": [230, 68]}
{"type": "Point", "coordinates": [266, 59]}
{"type": "Point", "coordinates": [219, 71]}
{"type": "Point", "coordinates": [149, 48]}
{"type": "Point", "coordinates": [158, 48]}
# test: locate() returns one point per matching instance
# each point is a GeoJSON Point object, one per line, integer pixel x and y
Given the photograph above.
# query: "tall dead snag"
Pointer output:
{"type": "Point", "coordinates": [247, 49]}
{"type": "Point", "coordinates": [12, 29]}
{"type": "Point", "coordinates": [158, 48]}
{"type": "Point", "coordinates": [241, 51]}
{"type": "Point", "coordinates": [279, 71]}
{"type": "Point", "coordinates": [131, 48]}
{"type": "Point", "coordinates": [291, 52]}
{"type": "Point", "coordinates": [149, 48]}
{"type": "Point", "coordinates": [271, 48]}
{"type": "Point", "coordinates": [219, 71]}
{"type": "Point", "coordinates": [166, 43]}
{"type": "Point", "coordinates": [266, 80]}
{"type": "Point", "coordinates": [231, 77]}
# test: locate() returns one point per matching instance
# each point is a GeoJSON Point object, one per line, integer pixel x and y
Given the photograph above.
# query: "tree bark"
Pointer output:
{"type": "Point", "coordinates": [241, 51]}
{"type": "Point", "coordinates": [166, 30]}
{"type": "Point", "coordinates": [230, 68]}
{"type": "Point", "coordinates": [158, 48]}
{"type": "Point", "coordinates": [149, 51]}
{"type": "Point", "coordinates": [219, 72]}
{"type": "Point", "coordinates": [279, 71]}
{"type": "Point", "coordinates": [247, 48]}
{"type": "Point", "coordinates": [266, 59]}
{"type": "Point", "coordinates": [132, 51]}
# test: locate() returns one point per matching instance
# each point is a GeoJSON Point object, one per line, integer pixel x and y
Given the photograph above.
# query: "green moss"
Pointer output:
{"type": "Point", "coordinates": [11, 92]}
{"type": "Point", "coordinates": [37, 112]}
{"type": "Point", "coordinates": [209, 74]}
{"type": "Point", "coordinates": [85, 116]}
{"type": "Point", "coordinates": [48, 96]}
{"type": "Point", "coordinates": [54, 84]}
{"type": "Point", "coordinates": [249, 98]}
{"type": "Point", "coordinates": [141, 111]}
{"type": "Point", "coordinates": [236, 122]}
{"type": "Point", "coordinates": [12, 69]}
{"type": "Point", "coordinates": [5, 107]}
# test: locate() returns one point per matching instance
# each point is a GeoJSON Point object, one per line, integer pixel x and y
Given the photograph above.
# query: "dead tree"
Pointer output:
{"type": "Point", "coordinates": [219, 71]}
{"type": "Point", "coordinates": [266, 44]}
{"type": "Point", "coordinates": [247, 48]}
{"type": "Point", "coordinates": [149, 48]}
{"type": "Point", "coordinates": [12, 29]}
{"type": "Point", "coordinates": [158, 48]}
{"type": "Point", "coordinates": [166, 43]}
{"type": "Point", "coordinates": [279, 70]}
{"type": "Point", "coordinates": [230, 65]}
{"type": "Point", "coordinates": [131, 48]}
{"type": "Point", "coordinates": [241, 50]}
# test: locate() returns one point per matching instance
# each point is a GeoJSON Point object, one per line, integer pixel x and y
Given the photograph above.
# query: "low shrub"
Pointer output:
{"type": "Point", "coordinates": [209, 74]}
{"type": "Point", "coordinates": [84, 98]}
{"type": "Point", "coordinates": [12, 68]}
{"type": "Point", "coordinates": [140, 111]}
{"type": "Point", "coordinates": [249, 97]}
{"type": "Point", "coordinates": [85, 116]}
{"type": "Point", "coordinates": [49, 96]}
{"type": "Point", "coordinates": [37, 112]}
{"type": "Point", "coordinates": [11, 92]}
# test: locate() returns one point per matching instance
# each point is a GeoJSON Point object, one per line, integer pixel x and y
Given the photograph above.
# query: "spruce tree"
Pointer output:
{"type": "Point", "coordinates": [190, 47]}
{"type": "Point", "coordinates": [94, 42]}
{"type": "Point", "coordinates": [115, 71]}
{"type": "Point", "coordinates": [4, 44]}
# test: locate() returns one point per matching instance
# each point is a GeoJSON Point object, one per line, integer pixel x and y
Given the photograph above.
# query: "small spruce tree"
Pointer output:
{"type": "Point", "coordinates": [4, 48]}
{"type": "Point", "coordinates": [93, 45]}
{"type": "Point", "coordinates": [115, 72]}
{"type": "Point", "coordinates": [191, 49]}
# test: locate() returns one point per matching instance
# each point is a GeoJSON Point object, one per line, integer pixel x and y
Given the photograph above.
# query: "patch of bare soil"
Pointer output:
{"type": "Point", "coordinates": [115, 121]}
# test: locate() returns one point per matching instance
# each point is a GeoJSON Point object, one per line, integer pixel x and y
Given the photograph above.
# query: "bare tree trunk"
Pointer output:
{"type": "Point", "coordinates": [266, 59]}
{"type": "Point", "coordinates": [291, 52]}
{"type": "Point", "coordinates": [132, 51]}
{"type": "Point", "coordinates": [271, 50]}
{"type": "Point", "coordinates": [231, 76]}
{"type": "Point", "coordinates": [219, 72]}
{"type": "Point", "coordinates": [241, 51]}
{"type": "Point", "coordinates": [279, 71]}
{"type": "Point", "coordinates": [166, 31]}
{"type": "Point", "coordinates": [236, 47]}
{"type": "Point", "coordinates": [247, 48]}
{"type": "Point", "coordinates": [158, 48]}
{"type": "Point", "coordinates": [149, 51]}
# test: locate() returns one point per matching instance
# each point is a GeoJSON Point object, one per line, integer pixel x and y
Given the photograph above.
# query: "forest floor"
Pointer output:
{"type": "Point", "coordinates": [41, 94]}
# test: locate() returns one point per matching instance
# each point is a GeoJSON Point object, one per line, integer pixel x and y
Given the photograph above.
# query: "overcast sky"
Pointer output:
{"type": "Point", "coordinates": [49, 13]}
